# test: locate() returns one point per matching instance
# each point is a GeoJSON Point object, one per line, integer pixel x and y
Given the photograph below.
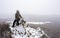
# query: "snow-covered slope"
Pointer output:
{"type": "Point", "coordinates": [27, 32]}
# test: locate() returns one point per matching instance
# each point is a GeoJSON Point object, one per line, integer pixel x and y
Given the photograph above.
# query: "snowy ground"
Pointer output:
{"type": "Point", "coordinates": [27, 32]}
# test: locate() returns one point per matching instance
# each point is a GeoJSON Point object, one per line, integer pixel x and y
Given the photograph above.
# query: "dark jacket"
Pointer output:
{"type": "Point", "coordinates": [17, 15]}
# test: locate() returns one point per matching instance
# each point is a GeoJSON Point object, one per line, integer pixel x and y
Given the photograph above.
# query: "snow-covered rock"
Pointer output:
{"type": "Point", "coordinates": [24, 31]}
{"type": "Point", "coordinates": [27, 32]}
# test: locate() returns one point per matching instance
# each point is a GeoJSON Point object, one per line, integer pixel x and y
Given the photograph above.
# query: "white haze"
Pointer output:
{"type": "Point", "coordinates": [29, 7]}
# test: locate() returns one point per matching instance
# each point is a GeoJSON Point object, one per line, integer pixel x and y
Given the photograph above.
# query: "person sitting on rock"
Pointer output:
{"type": "Point", "coordinates": [17, 18]}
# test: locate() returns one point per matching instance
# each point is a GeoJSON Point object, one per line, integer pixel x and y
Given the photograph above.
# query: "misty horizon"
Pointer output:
{"type": "Point", "coordinates": [29, 7]}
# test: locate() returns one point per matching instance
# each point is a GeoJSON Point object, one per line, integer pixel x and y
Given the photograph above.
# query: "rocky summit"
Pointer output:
{"type": "Point", "coordinates": [27, 32]}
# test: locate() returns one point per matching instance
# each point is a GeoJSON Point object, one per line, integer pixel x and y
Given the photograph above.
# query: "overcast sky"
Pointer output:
{"type": "Point", "coordinates": [26, 7]}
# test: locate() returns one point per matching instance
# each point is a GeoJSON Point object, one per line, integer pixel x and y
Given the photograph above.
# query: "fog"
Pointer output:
{"type": "Point", "coordinates": [29, 7]}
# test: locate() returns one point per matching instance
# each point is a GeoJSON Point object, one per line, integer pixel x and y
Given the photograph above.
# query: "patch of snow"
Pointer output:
{"type": "Point", "coordinates": [38, 22]}
{"type": "Point", "coordinates": [27, 32]}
